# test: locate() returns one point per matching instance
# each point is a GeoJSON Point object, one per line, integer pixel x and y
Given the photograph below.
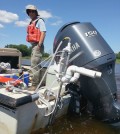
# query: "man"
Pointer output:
{"type": "Point", "coordinates": [36, 32]}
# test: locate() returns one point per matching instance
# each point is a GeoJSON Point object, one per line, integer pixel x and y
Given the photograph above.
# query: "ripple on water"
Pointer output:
{"type": "Point", "coordinates": [78, 125]}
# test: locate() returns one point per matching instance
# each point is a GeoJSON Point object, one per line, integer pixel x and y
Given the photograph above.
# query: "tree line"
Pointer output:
{"type": "Point", "coordinates": [24, 49]}
{"type": "Point", "coordinates": [118, 55]}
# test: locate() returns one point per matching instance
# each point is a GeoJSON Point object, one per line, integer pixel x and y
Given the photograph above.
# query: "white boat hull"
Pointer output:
{"type": "Point", "coordinates": [27, 118]}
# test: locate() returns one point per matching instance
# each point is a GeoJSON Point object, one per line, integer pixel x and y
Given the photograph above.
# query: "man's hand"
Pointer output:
{"type": "Point", "coordinates": [42, 36]}
{"type": "Point", "coordinates": [38, 46]}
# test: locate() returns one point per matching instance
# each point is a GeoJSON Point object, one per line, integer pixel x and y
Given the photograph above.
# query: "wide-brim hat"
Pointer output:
{"type": "Point", "coordinates": [31, 7]}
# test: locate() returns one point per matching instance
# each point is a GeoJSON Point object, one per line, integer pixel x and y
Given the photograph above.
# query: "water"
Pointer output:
{"type": "Point", "coordinates": [79, 125]}
{"type": "Point", "coordinates": [117, 69]}
{"type": "Point", "coordinates": [27, 62]}
{"type": "Point", "coordinates": [117, 74]}
{"type": "Point", "coordinates": [82, 124]}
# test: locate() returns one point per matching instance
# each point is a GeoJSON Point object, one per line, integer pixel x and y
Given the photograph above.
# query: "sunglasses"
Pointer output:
{"type": "Point", "coordinates": [31, 11]}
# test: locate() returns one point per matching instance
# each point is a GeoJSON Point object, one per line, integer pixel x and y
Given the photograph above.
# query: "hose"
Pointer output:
{"type": "Point", "coordinates": [61, 84]}
{"type": "Point", "coordinates": [49, 65]}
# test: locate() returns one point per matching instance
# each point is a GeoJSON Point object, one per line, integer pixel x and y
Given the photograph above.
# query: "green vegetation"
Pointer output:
{"type": "Point", "coordinates": [118, 57]}
{"type": "Point", "coordinates": [118, 61]}
{"type": "Point", "coordinates": [25, 50]}
{"type": "Point", "coordinates": [26, 57]}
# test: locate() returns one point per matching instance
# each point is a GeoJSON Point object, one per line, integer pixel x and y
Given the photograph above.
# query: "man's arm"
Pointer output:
{"type": "Point", "coordinates": [42, 37]}
{"type": "Point", "coordinates": [41, 25]}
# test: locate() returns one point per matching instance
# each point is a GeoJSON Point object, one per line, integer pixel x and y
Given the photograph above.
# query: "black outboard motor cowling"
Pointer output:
{"type": "Point", "coordinates": [93, 53]}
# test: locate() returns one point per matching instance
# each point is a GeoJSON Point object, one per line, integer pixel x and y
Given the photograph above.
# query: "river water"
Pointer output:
{"type": "Point", "coordinates": [82, 124]}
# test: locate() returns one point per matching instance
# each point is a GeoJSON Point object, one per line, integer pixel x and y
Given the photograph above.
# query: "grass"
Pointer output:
{"type": "Point", "coordinates": [118, 61]}
{"type": "Point", "coordinates": [28, 57]}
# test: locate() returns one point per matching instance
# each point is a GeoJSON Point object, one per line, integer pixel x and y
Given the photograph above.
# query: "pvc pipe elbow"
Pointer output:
{"type": "Point", "coordinates": [75, 77]}
{"type": "Point", "coordinates": [68, 47]}
{"type": "Point", "coordinates": [66, 78]}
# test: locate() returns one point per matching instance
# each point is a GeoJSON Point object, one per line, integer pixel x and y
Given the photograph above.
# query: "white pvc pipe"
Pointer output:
{"type": "Point", "coordinates": [81, 70]}
{"type": "Point", "coordinates": [62, 61]}
{"type": "Point", "coordinates": [68, 48]}
{"type": "Point", "coordinates": [75, 77]}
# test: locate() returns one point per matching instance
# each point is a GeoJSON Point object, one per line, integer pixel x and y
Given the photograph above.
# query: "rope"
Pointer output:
{"type": "Point", "coordinates": [48, 66]}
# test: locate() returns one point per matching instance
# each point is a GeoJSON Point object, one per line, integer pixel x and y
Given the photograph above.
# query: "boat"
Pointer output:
{"type": "Point", "coordinates": [81, 70]}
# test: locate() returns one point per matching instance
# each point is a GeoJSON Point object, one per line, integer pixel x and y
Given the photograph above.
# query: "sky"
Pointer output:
{"type": "Point", "coordinates": [103, 14]}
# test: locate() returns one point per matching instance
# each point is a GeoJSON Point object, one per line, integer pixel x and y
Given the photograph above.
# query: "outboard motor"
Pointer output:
{"type": "Point", "coordinates": [92, 52]}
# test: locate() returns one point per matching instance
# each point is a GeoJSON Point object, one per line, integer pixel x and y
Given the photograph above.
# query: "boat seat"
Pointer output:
{"type": "Point", "coordinates": [17, 100]}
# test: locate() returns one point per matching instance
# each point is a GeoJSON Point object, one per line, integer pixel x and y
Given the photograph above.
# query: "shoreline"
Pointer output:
{"type": "Point", "coordinates": [43, 58]}
{"type": "Point", "coordinates": [118, 61]}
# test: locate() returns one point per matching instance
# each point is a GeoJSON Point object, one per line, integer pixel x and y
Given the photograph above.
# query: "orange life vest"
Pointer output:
{"type": "Point", "coordinates": [33, 33]}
